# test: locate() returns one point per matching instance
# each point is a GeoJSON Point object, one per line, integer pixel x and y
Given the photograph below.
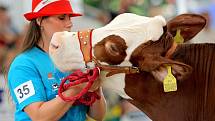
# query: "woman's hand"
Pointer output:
{"type": "Point", "coordinates": [98, 109]}
{"type": "Point", "coordinates": [96, 85]}
{"type": "Point", "coordinates": [79, 81]}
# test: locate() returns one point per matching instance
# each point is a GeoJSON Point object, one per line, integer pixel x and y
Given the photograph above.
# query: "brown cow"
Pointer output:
{"type": "Point", "coordinates": [193, 66]}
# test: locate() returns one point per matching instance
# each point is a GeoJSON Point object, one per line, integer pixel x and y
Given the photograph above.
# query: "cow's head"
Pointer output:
{"type": "Point", "coordinates": [65, 51]}
{"type": "Point", "coordinates": [151, 56]}
{"type": "Point", "coordinates": [111, 44]}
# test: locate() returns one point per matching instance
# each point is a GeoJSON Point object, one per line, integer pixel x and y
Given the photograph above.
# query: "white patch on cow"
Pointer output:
{"type": "Point", "coordinates": [133, 28]}
{"type": "Point", "coordinates": [68, 56]}
{"type": "Point", "coordinates": [114, 83]}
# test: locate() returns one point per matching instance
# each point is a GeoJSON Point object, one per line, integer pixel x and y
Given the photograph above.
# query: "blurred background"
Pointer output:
{"type": "Point", "coordinates": [97, 13]}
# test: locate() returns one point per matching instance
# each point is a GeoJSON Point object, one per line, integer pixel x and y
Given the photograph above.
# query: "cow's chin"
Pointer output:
{"type": "Point", "coordinates": [69, 67]}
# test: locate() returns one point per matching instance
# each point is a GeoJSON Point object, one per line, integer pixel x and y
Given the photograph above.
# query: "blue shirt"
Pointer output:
{"type": "Point", "coordinates": [32, 78]}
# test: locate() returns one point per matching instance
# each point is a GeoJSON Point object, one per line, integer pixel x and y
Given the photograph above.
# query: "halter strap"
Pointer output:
{"type": "Point", "coordinates": [113, 69]}
{"type": "Point", "coordinates": [85, 44]}
{"type": "Point", "coordinates": [171, 50]}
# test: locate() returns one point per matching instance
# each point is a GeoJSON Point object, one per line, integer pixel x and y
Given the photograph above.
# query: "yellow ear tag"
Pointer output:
{"type": "Point", "coordinates": [178, 38]}
{"type": "Point", "coordinates": [169, 83]}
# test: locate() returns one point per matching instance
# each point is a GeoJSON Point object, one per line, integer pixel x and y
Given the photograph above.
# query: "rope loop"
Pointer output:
{"type": "Point", "coordinates": [76, 78]}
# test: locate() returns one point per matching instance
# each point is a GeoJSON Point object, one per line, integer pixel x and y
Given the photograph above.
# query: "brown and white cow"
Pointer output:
{"type": "Point", "coordinates": [66, 53]}
{"type": "Point", "coordinates": [127, 26]}
{"type": "Point", "coordinates": [193, 65]}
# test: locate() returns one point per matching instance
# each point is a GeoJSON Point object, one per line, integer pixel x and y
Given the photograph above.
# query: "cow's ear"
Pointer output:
{"type": "Point", "coordinates": [157, 66]}
{"type": "Point", "coordinates": [188, 24]}
{"type": "Point", "coordinates": [111, 49]}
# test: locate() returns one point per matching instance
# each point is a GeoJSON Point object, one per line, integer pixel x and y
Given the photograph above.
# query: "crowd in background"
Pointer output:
{"type": "Point", "coordinates": [100, 12]}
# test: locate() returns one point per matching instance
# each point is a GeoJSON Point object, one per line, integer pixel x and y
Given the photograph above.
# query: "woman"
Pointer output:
{"type": "Point", "coordinates": [34, 80]}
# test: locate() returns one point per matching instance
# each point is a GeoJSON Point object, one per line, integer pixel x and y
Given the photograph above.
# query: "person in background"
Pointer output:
{"type": "Point", "coordinates": [8, 35]}
{"type": "Point", "coordinates": [32, 77]}
{"type": "Point", "coordinates": [17, 47]}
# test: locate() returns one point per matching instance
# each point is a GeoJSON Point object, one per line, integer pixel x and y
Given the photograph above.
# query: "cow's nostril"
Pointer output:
{"type": "Point", "coordinates": [55, 46]}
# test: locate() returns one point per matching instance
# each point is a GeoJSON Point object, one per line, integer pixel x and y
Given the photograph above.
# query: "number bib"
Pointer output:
{"type": "Point", "coordinates": [24, 91]}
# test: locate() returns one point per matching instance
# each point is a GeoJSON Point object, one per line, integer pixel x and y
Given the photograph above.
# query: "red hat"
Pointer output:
{"type": "Point", "coordinates": [50, 7]}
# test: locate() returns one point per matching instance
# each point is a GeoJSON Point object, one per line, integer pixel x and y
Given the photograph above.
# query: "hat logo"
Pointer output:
{"type": "Point", "coordinates": [44, 1]}
{"type": "Point", "coordinates": [42, 4]}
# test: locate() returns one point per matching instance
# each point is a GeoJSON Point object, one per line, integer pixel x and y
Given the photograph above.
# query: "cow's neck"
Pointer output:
{"type": "Point", "coordinates": [199, 88]}
{"type": "Point", "coordinates": [200, 56]}
{"type": "Point", "coordinates": [194, 99]}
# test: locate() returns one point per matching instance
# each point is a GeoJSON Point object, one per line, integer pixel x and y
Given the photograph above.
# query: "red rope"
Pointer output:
{"type": "Point", "coordinates": [78, 77]}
